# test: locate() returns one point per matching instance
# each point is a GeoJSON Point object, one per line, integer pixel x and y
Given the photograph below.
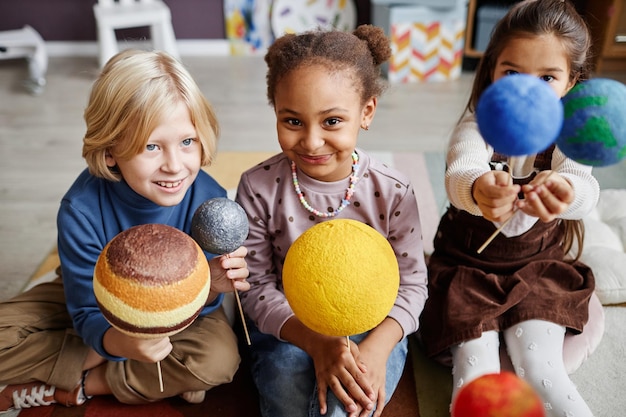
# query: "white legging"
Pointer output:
{"type": "Point", "coordinates": [536, 351]}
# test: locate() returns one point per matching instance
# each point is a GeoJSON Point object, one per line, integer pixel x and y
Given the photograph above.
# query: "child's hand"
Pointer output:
{"type": "Point", "coordinates": [120, 344]}
{"type": "Point", "coordinates": [376, 361]}
{"type": "Point", "coordinates": [229, 272]}
{"type": "Point", "coordinates": [547, 196]}
{"type": "Point", "coordinates": [495, 194]}
{"type": "Point", "coordinates": [340, 370]}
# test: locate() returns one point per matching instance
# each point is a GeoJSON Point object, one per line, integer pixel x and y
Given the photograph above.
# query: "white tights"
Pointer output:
{"type": "Point", "coordinates": [536, 351]}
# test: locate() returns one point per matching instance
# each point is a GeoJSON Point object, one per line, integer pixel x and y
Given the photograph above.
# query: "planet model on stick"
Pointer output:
{"type": "Point", "coordinates": [341, 277]}
{"type": "Point", "coordinates": [151, 281]}
{"type": "Point", "coordinates": [219, 225]}
{"type": "Point", "coordinates": [498, 395]}
{"type": "Point", "coordinates": [594, 129]}
{"type": "Point", "coordinates": [519, 115]}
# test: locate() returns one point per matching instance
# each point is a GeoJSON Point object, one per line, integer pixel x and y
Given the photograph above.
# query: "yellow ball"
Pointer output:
{"type": "Point", "coordinates": [341, 277]}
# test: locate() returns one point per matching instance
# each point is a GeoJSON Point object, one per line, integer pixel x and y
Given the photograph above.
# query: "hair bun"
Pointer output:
{"type": "Point", "coordinates": [377, 42]}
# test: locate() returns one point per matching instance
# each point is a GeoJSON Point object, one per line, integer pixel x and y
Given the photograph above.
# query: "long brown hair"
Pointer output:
{"type": "Point", "coordinates": [534, 18]}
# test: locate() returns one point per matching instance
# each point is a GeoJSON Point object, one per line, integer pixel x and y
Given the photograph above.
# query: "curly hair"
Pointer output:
{"type": "Point", "coordinates": [361, 51]}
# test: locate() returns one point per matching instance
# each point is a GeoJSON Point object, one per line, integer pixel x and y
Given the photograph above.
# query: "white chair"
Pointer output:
{"type": "Point", "coordinates": [27, 43]}
{"type": "Point", "coordinates": [121, 14]}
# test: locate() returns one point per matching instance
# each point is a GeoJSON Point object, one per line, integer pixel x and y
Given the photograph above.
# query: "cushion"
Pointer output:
{"type": "Point", "coordinates": [604, 243]}
{"type": "Point", "coordinates": [577, 348]}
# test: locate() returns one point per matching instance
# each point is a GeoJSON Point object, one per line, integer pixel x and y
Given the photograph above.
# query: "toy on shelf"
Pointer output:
{"type": "Point", "coordinates": [341, 277]}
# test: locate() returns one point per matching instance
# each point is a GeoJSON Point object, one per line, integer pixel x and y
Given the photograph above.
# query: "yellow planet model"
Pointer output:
{"type": "Point", "coordinates": [341, 277]}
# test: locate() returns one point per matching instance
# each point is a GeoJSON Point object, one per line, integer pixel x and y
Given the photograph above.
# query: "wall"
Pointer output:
{"type": "Point", "coordinates": [72, 20]}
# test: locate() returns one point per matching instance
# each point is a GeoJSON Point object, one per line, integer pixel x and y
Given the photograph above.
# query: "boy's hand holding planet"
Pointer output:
{"type": "Point", "coordinates": [220, 226]}
{"type": "Point", "coordinates": [150, 281]}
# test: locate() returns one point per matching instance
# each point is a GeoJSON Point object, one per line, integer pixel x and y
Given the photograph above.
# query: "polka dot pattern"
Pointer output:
{"type": "Point", "coordinates": [382, 199]}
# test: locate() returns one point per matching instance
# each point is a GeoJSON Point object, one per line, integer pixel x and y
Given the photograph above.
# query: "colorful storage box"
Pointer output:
{"type": "Point", "coordinates": [426, 43]}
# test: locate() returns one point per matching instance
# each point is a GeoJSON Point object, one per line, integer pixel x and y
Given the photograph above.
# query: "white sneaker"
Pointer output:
{"type": "Point", "coordinates": [36, 394]}
{"type": "Point", "coordinates": [193, 397]}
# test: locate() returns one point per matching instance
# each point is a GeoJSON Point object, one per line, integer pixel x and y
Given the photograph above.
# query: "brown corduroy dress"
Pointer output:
{"type": "Point", "coordinates": [514, 279]}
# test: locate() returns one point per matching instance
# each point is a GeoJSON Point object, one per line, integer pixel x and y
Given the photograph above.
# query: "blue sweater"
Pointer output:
{"type": "Point", "coordinates": [93, 212]}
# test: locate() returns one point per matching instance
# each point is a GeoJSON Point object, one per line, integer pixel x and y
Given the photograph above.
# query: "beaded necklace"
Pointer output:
{"type": "Point", "coordinates": [344, 202]}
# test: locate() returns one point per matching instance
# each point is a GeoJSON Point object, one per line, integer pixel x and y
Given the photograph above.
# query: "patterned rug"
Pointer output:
{"type": "Point", "coordinates": [599, 380]}
{"type": "Point", "coordinates": [239, 398]}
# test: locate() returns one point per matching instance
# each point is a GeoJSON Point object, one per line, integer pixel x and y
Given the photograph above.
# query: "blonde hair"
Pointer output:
{"type": "Point", "coordinates": [128, 100]}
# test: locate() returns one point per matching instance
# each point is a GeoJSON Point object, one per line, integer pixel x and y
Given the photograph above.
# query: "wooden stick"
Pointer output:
{"type": "Point", "coordinates": [494, 234]}
{"type": "Point", "coordinates": [160, 376]}
{"type": "Point", "coordinates": [348, 342]}
{"type": "Point", "coordinates": [243, 319]}
{"type": "Point", "coordinates": [499, 229]}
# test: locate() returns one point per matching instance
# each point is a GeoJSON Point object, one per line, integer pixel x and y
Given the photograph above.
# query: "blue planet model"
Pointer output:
{"type": "Point", "coordinates": [519, 115]}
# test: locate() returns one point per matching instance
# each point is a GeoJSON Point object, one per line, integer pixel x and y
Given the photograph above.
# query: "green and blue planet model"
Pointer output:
{"type": "Point", "coordinates": [521, 115]}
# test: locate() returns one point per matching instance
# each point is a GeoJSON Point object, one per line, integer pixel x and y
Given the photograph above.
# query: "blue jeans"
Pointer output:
{"type": "Point", "coordinates": [285, 377]}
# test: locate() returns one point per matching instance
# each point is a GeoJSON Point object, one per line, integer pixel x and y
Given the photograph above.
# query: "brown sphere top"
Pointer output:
{"type": "Point", "coordinates": [153, 254]}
